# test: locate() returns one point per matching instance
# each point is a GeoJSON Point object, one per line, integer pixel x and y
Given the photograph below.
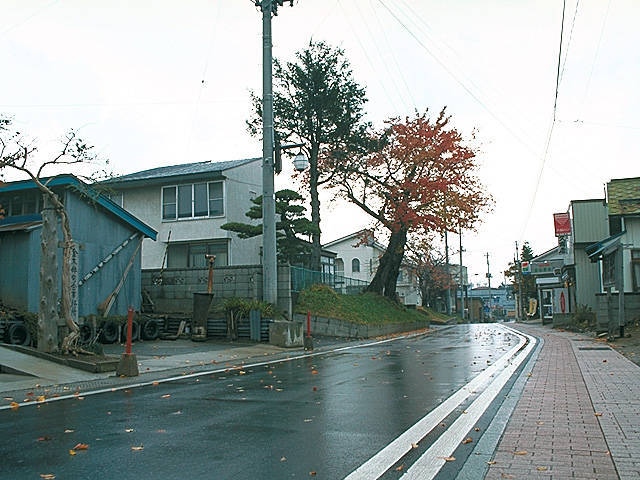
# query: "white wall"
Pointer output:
{"type": "Point", "coordinates": [242, 184]}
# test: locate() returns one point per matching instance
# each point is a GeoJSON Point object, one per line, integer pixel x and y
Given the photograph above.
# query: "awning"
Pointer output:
{"type": "Point", "coordinates": [600, 249]}
{"type": "Point", "coordinates": [20, 227]}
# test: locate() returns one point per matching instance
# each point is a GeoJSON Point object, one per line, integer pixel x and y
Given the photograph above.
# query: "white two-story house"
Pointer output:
{"type": "Point", "coordinates": [187, 204]}
{"type": "Point", "coordinates": [358, 256]}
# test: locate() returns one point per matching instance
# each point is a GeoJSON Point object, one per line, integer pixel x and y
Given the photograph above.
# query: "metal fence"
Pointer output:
{"type": "Point", "coordinates": [302, 278]}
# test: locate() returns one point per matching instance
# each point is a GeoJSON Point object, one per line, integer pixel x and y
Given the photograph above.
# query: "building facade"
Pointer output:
{"type": "Point", "coordinates": [107, 263]}
{"type": "Point", "coordinates": [187, 204]}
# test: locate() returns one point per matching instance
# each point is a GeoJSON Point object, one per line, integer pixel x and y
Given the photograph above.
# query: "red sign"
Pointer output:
{"type": "Point", "coordinates": [562, 224]}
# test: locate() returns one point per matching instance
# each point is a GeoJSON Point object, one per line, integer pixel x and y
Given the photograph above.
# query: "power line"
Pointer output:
{"type": "Point", "coordinates": [545, 155]}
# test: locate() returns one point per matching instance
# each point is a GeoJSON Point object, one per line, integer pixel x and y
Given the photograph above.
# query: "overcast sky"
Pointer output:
{"type": "Point", "coordinates": [153, 83]}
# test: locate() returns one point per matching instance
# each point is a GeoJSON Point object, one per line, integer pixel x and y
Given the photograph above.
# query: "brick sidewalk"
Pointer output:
{"type": "Point", "coordinates": [575, 418]}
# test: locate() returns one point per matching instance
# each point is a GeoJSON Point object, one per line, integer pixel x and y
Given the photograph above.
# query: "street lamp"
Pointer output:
{"type": "Point", "coordinates": [300, 161]}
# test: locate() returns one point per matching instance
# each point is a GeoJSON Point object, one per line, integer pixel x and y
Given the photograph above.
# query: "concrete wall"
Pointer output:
{"type": "Point", "coordinates": [607, 311]}
{"type": "Point", "coordinates": [339, 328]}
{"type": "Point", "coordinates": [172, 289]}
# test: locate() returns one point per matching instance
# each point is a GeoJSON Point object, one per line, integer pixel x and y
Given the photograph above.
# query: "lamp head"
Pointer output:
{"type": "Point", "coordinates": [300, 161]}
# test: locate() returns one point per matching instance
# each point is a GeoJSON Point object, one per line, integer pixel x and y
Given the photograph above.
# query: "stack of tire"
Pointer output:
{"type": "Point", "coordinates": [111, 332]}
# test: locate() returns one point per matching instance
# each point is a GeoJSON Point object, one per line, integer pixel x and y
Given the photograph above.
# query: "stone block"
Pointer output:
{"type": "Point", "coordinates": [286, 334]}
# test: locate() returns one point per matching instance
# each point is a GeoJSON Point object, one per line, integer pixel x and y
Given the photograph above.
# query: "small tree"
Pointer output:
{"type": "Point", "coordinates": [16, 153]}
{"type": "Point", "coordinates": [430, 268]}
{"type": "Point", "coordinates": [524, 286]}
{"type": "Point", "coordinates": [292, 224]}
{"type": "Point", "coordinates": [316, 101]}
{"type": "Point", "coordinates": [419, 179]}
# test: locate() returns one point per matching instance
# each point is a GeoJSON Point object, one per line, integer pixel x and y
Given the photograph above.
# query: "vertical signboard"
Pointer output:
{"type": "Point", "coordinates": [562, 224]}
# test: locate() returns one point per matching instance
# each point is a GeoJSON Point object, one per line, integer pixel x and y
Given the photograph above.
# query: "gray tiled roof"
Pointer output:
{"type": "Point", "coordinates": [183, 169]}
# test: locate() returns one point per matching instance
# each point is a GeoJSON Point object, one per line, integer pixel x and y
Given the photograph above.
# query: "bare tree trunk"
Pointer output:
{"type": "Point", "coordinates": [384, 281]}
{"type": "Point", "coordinates": [69, 342]}
{"type": "Point", "coordinates": [48, 308]}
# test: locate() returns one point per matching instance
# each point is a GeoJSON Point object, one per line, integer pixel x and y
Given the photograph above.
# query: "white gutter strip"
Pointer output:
{"type": "Point", "coordinates": [377, 465]}
{"type": "Point", "coordinates": [430, 463]}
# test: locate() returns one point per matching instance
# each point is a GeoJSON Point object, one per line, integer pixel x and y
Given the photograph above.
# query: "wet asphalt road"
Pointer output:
{"type": "Point", "coordinates": [318, 416]}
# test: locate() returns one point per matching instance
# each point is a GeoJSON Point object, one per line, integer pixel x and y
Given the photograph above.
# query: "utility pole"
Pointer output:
{"type": "Point", "coordinates": [269, 8]}
{"type": "Point", "coordinates": [448, 274]}
{"type": "Point", "coordinates": [462, 282]}
{"type": "Point", "coordinates": [519, 273]}
{"type": "Point", "coordinates": [489, 281]}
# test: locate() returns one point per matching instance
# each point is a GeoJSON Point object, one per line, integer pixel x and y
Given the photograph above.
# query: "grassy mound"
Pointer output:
{"type": "Point", "coordinates": [366, 308]}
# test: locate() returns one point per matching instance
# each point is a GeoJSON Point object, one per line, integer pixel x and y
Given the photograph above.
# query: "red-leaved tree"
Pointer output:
{"type": "Point", "coordinates": [418, 179]}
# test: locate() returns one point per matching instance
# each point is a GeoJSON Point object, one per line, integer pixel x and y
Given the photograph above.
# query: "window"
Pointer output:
{"type": "Point", "coordinates": [193, 201]}
{"type": "Point", "coordinates": [339, 266]}
{"type": "Point", "coordinates": [20, 204]}
{"type": "Point", "coordinates": [635, 269]}
{"type": "Point", "coordinates": [609, 269]}
{"type": "Point", "coordinates": [355, 265]}
{"type": "Point", "coordinates": [192, 255]}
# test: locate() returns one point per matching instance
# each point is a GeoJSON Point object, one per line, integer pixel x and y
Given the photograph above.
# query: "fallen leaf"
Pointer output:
{"type": "Point", "coordinates": [283, 459]}
{"type": "Point", "coordinates": [598, 414]}
{"type": "Point", "coordinates": [15, 406]}
{"type": "Point", "coordinates": [520, 452]}
{"type": "Point", "coordinates": [491, 462]}
{"type": "Point", "coordinates": [414, 445]}
{"type": "Point", "coordinates": [399, 468]}
{"type": "Point", "coordinates": [542, 469]}
{"type": "Point", "coordinates": [506, 475]}
{"type": "Point", "coordinates": [166, 395]}
{"type": "Point", "coordinates": [47, 476]}
{"type": "Point", "coordinates": [68, 430]}
{"type": "Point", "coordinates": [137, 448]}
{"type": "Point", "coordinates": [128, 430]}
{"type": "Point", "coordinates": [45, 438]}
{"type": "Point", "coordinates": [313, 473]}
{"type": "Point", "coordinates": [81, 446]}
{"type": "Point", "coordinates": [314, 372]}
{"type": "Point", "coordinates": [41, 398]}
{"type": "Point", "coordinates": [155, 384]}
{"type": "Point", "coordinates": [467, 440]}
{"type": "Point", "coordinates": [72, 452]}
{"type": "Point", "coordinates": [477, 429]}
{"type": "Point", "coordinates": [448, 459]}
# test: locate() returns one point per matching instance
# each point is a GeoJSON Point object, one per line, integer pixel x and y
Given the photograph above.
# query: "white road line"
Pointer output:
{"type": "Point", "coordinates": [377, 465]}
{"type": "Point", "coordinates": [430, 463]}
{"type": "Point", "coordinates": [229, 369]}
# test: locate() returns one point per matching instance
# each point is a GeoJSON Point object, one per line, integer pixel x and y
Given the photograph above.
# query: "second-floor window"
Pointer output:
{"type": "Point", "coordinates": [193, 200]}
{"type": "Point", "coordinates": [20, 204]}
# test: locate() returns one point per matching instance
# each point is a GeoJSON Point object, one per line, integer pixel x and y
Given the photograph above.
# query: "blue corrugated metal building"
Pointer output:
{"type": "Point", "coordinates": [108, 239]}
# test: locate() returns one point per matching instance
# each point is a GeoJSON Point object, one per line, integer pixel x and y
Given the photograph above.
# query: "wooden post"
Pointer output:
{"type": "Point", "coordinates": [48, 305]}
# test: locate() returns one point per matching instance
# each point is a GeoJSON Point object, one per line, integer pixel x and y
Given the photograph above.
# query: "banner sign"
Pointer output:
{"type": "Point", "coordinates": [562, 224]}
